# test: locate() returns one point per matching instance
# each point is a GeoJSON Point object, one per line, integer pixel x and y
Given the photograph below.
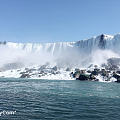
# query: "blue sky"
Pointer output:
{"type": "Point", "coordinates": [57, 20]}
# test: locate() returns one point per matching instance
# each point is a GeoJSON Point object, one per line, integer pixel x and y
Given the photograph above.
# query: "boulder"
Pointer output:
{"type": "Point", "coordinates": [95, 71]}
{"type": "Point", "coordinates": [117, 76]}
{"type": "Point", "coordinates": [90, 66]}
{"type": "Point", "coordinates": [42, 67]}
{"type": "Point", "coordinates": [118, 72]}
{"type": "Point", "coordinates": [54, 68]}
{"type": "Point", "coordinates": [25, 76]}
{"type": "Point", "coordinates": [82, 71]}
{"type": "Point", "coordinates": [104, 73]}
{"type": "Point", "coordinates": [30, 70]}
{"type": "Point", "coordinates": [83, 77]}
{"type": "Point", "coordinates": [92, 77]}
{"type": "Point", "coordinates": [76, 69]}
{"type": "Point", "coordinates": [89, 71]}
{"type": "Point", "coordinates": [76, 74]}
{"type": "Point", "coordinates": [23, 72]}
{"type": "Point", "coordinates": [67, 69]}
{"type": "Point", "coordinates": [71, 74]}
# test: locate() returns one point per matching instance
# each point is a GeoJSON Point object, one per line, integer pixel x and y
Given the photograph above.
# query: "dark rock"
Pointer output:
{"type": "Point", "coordinates": [92, 77]}
{"type": "Point", "coordinates": [108, 71]}
{"type": "Point", "coordinates": [76, 69]}
{"type": "Point", "coordinates": [83, 77]}
{"type": "Point", "coordinates": [113, 67]}
{"type": "Point", "coordinates": [71, 74]}
{"type": "Point", "coordinates": [118, 72]}
{"type": "Point", "coordinates": [55, 68]}
{"type": "Point", "coordinates": [95, 66]}
{"type": "Point", "coordinates": [26, 68]}
{"type": "Point", "coordinates": [23, 72]}
{"type": "Point", "coordinates": [18, 70]}
{"type": "Point", "coordinates": [117, 76]}
{"type": "Point", "coordinates": [106, 66]}
{"type": "Point", "coordinates": [96, 79]}
{"type": "Point", "coordinates": [104, 72]}
{"type": "Point", "coordinates": [58, 72]}
{"type": "Point", "coordinates": [82, 71]}
{"type": "Point", "coordinates": [90, 66]}
{"type": "Point", "coordinates": [33, 74]}
{"type": "Point", "coordinates": [30, 70]}
{"type": "Point", "coordinates": [102, 42]}
{"type": "Point", "coordinates": [103, 65]}
{"type": "Point", "coordinates": [25, 76]}
{"type": "Point", "coordinates": [95, 72]}
{"type": "Point", "coordinates": [89, 71]}
{"type": "Point", "coordinates": [41, 72]}
{"type": "Point", "coordinates": [54, 73]}
{"type": "Point", "coordinates": [76, 74]}
{"type": "Point", "coordinates": [68, 69]}
{"type": "Point", "coordinates": [39, 75]}
{"type": "Point", "coordinates": [42, 67]}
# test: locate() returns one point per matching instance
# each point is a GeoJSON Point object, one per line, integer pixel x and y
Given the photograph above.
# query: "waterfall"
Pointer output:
{"type": "Point", "coordinates": [89, 45]}
{"type": "Point", "coordinates": [52, 48]}
{"type": "Point", "coordinates": [62, 52]}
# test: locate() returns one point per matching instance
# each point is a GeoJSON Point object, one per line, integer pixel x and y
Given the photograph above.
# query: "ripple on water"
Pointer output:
{"type": "Point", "coordinates": [60, 100]}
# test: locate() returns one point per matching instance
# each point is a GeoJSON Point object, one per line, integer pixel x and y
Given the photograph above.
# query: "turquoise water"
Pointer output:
{"type": "Point", "coordinates": [59, 100]}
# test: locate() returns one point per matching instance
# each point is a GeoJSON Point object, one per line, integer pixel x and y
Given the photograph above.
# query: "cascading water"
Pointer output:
{"type": "Point", "coordinates": [101, 42]}
{"type": "Point", "coordinates": [70, 53]}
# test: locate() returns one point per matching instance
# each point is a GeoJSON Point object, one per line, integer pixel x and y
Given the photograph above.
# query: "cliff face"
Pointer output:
{"type": "Point", "coordinates": [102, 42]}
{"type": "Point", "coordinates": [87, 46]}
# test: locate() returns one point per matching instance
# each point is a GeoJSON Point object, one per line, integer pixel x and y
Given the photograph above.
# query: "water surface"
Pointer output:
{"type": "Point", "coordinates": [59, 100]}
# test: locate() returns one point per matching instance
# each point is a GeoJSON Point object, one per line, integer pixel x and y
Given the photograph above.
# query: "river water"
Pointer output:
{"type": "Point", "coordinates": [58, 100]}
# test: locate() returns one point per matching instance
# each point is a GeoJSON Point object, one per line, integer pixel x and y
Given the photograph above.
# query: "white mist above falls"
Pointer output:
{"type": "Point", "coordinates": [81, 53]}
